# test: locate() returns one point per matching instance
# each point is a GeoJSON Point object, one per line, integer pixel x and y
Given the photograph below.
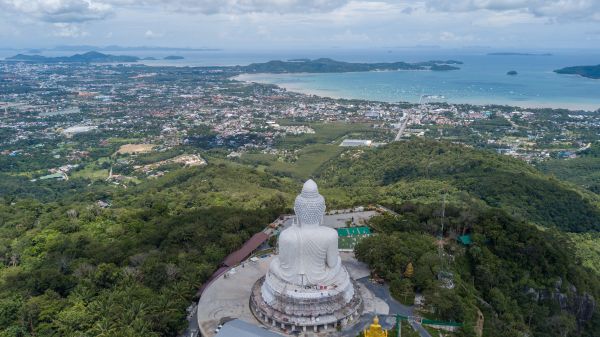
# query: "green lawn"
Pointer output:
{"type": "Point", "coordinates": [92, 172]}
{"type": "Point", "coordinates": [329, 133]}
{"type": "Point", "coordinates": [312, 149]}
{"type": "Point", "coordinates": [310, 158]}
{"type": "Point", "coordinates": [116, 140]}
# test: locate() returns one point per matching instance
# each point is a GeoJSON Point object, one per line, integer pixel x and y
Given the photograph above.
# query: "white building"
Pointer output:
{"type": "Point", "coordinates": [356, 142]}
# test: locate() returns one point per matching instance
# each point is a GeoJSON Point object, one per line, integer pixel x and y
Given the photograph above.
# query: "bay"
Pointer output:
{"type": "Point", "coordinates": [481, 80]}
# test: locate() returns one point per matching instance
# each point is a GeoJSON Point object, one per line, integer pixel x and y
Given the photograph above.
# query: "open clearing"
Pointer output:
{"type": "Point", "coordinates": [135, 148]}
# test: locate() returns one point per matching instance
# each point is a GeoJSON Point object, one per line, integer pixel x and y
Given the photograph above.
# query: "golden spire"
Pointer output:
{"type": "Point", "coordinates": [375, 330]}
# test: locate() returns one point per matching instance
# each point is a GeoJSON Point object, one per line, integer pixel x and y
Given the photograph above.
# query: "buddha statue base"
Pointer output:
{"type": "Point", "coordinates": [308, 308]}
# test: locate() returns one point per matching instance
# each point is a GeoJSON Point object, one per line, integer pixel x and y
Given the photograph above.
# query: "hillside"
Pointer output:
{"type": "Point", "coordinates": [96, 259]}
{"type": "Point", "coordinates": [584, 71]}
{"type": "Point", "coordinates": [524, 280]}
{"type": "Point", "coordinates": [72, 267]}
{"type": "Point", "coordinates": [326, 65]}
{"type": "Point", "coordinates": [89, 57]}
{"type": "Point", "coordinates": [499, 181]}
{"type": "Point", "coordinates": [583, 170]}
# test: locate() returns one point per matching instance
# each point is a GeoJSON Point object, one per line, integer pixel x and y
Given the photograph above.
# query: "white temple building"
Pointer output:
{"type": "Point", "coordinates": [307, 287]}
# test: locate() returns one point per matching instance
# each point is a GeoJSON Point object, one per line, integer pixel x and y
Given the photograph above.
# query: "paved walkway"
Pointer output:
{"type": "Point", "coordinates": [228, 296]}
{"type": "Point", "coordinates": [192, 329]}
{"type": "Point", "coordinates": [339, 220]}
{"type": "Point", "coordinates": [383, 292]}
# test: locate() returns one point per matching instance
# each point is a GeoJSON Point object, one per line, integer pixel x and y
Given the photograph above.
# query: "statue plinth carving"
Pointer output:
{"type": "Point", "coordinates": [307, 285]}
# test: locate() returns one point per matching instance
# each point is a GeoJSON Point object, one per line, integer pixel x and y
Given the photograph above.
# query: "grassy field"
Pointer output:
{"type": "Point", "coordinates": [135, 148]}
{"type": "Point", "coordinates": [91, 172]}
{"type": "Point", "coordinates": [307, 152]}
{"type": "Point", "coordinates": [331, 133]}
{"type": "Point", "coordinates": [116, 140]}
{"type": "Point", "coordinates": [309, 159]}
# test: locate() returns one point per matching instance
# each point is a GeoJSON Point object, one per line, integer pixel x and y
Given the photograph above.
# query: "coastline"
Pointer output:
{"type": "Point", "coordinates": [298, 87]}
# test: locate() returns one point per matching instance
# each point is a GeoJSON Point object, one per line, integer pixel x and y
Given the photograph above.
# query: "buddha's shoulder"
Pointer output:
{"type": "Point", "coordinates": [319, 231]}
{"type": "Point", "coordinates": [288, 232]}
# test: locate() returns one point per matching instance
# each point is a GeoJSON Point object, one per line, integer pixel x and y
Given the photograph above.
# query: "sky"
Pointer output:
{"type": "Point", "coordinates": [288, 24]}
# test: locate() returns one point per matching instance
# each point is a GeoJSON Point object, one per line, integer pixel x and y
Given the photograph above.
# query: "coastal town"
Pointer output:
{"type": "Point", "coordinates": [299, 168]}
{"type": "Point", "coordinates": [122, 123]}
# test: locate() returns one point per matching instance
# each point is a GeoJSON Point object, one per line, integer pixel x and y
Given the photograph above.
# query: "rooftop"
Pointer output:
{"type": "Point", "coordinates": [239, 255]}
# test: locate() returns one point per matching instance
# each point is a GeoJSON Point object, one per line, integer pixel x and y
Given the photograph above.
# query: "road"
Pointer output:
{"type": "Point", "coordinates": [192, 329]}
{"type": "Point", "coordinates": [383, 292]}
{"type": "Point", "coordinates": [402, 127]}
{"type": "Point", "coordinates": [420, 329]}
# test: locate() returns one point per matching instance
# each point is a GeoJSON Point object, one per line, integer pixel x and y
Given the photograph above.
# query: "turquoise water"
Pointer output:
{"type": "Point", "coordinates": [482, 78]}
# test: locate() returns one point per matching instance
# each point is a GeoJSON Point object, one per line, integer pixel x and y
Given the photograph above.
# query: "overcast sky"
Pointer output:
{"type": "Point", "coordinates": [231, 24]}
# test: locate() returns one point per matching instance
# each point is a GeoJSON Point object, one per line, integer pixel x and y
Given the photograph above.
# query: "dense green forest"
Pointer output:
{"type": "Point", "coordinates": [383, 174]}
{"type": "Point", "coordinates": [72, 268]}
{"type": "Point", "coordinates": [82, 258]}
{"type": "Point", "coordinates": [583, 170]}
{"type": "Point", "coordinates": [585, 71]}
{"type": "Point", "coordinates": [326, 65]}
{"type": "Point", "coordinates": [522, 279]}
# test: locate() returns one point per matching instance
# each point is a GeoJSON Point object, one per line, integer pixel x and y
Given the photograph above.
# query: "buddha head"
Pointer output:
{"type": "Point", "coordinates": [309, 205]}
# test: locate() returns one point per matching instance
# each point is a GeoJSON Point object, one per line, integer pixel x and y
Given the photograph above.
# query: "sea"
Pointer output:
{"type": "Point", "coordinates": [482, 79]}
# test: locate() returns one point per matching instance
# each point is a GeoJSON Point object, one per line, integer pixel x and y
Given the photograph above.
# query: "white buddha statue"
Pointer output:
{"type": "Point", "coordinates": [308, 252]}
{"type": "Point", "coordinates": [306, 284]}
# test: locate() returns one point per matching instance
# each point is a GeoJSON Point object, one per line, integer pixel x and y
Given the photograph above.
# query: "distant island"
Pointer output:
{"type": "Point", "coordinates": [173, 57]}
{"type": "Point", "coordinates": [124, 48]}
{"type": "Point", "coordinates": [512, 73]}
{"type": "Point", "coordinates": [89, 57]}
{"type": "Point", "coordinates": [149, 58]}
{"type": "Point", "coordinates": [584, 71]}
{"type": "Point", "coordinates": [326, 65]}
{"type": "Point", "coordinates": [517, 54]}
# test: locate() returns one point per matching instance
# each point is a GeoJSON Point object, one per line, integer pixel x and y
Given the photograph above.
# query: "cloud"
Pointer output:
{"type": "Point", "coordinates": [407, 10]}
{"type": "Point", "coordinates": [452, 37]}
{"type": "Point", "coordinates": [507, 18]}
{"type": "Point", "coordinates": [152, 35]}
{"type": "Point", "coordinates": [72, 11]}
{"type": "Point", "coordinates": [88, 10]}
{"type": "Point", "coordinates": [251, 6]}
{"type": "Point", "coordinates": [59, 11]}
{"type": "Point", "coordinates": [559, 10]}
{"type": "Point", "coordinates": [70, 30]}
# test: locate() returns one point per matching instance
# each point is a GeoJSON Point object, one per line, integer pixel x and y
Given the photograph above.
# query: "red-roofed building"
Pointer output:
{"type": "Point", "coordinates": [250, 246]}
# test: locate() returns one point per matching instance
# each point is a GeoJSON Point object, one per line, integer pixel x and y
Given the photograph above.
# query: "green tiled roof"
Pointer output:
{"type": "Point", "coordinates": [353, 231]}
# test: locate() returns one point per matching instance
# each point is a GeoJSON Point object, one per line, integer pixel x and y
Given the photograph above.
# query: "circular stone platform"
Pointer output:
{"type": "Point", "coordinates": [317, 310]}
{"type": "Point", "coordinates": [228, 297]}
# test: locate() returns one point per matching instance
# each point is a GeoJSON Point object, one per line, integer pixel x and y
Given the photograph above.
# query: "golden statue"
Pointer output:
{"type": "Point", "coordinates": [375, 330]}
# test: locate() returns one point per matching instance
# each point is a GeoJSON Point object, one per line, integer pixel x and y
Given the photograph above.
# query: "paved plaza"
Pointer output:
{"type": "Point", "coordinates": [359, 218]}
{"type": "Point", "coordinates": [228, 296]}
